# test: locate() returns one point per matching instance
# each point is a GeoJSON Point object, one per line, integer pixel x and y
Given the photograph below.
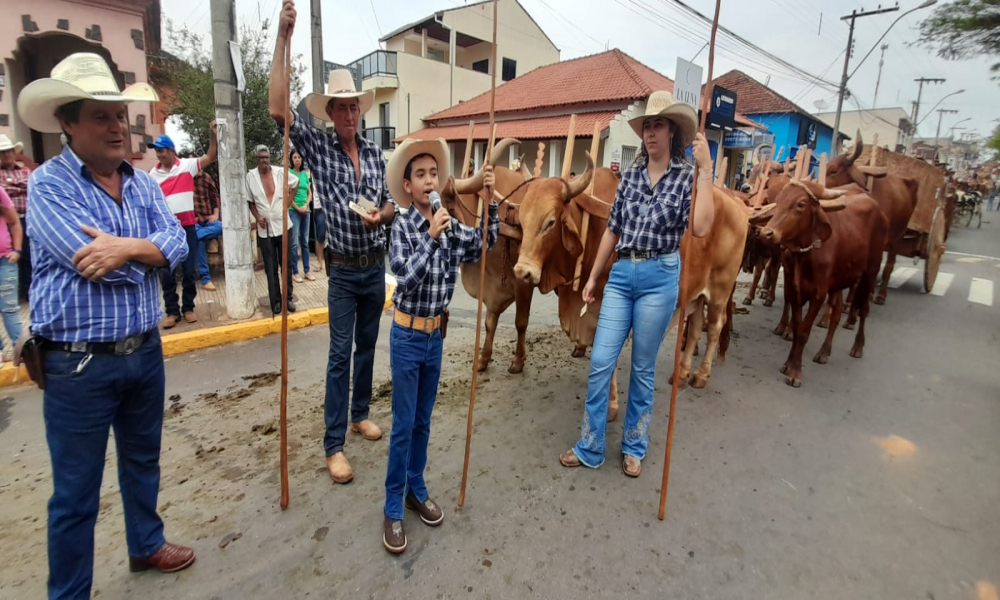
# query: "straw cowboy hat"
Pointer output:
{"type": "Point", "coordinates": [406, 152]}
{"type": "Point", "coordinates": [80, 76]}
{"type": "Point", "coordinates": [339, 85]}
{"type": "Point", "coordinates": [6, 144]}
{"type": "Point", "coordinates": [662, 104]}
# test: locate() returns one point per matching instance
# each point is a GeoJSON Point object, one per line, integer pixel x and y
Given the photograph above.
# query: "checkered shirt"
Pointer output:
{"type": "Point", "coordinates": [206, 197]}
{"type": "Point", "coordinates": [426, 269]}
{"type": "Point", "coordinates": [14, 181]}
{"type": "Point", "coordinates": [667, 208]}
{"type": "Point", "coordinates": [333, 175]}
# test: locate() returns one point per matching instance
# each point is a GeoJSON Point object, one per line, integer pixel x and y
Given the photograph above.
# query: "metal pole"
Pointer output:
{"type": "Point", "coordinates": [834, 144]}
{"type": "Point", "coordinates": [316, 31]}
{"type": "Point", "coordinates": [881, 62]}
{"type": "Point", "coordinates": [237, 248]}
{"type": "Point", "coordinates": [916, 107]}
{"type": "Point", "coordinates": [937, 136]}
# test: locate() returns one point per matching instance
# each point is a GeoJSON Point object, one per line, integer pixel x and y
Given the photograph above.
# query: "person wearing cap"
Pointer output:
{"type": "Point", "coordinates": [265, 185]}
{"type": "Point", "coordinates": [346, 168]}
{"type": "Point", "coordinates": [648, 217]}
{"type": "Point", "coordinates": [176, 178]}
{"type": "Point", "coordinates": [427, 249]}
{"type": "Point", "coordinates": [14, 176]}
{"type": "Point", "coordinates": [101, 231]}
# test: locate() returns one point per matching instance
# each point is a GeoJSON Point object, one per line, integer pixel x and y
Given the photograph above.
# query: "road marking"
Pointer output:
{"type": "Point", "coordinates": [901, 275]}
{"type": "Point", "coordinates": [971, 260]}
{"type": "Point", "coordinates": [981, 291]}
{"type": "Point", "coordinates": [972, 255]}
{"type": "Point", "coordinates": [941, 284]}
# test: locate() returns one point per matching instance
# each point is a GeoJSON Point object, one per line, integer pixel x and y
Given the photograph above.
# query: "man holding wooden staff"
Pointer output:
{"type": "Point", "coordinates": [348, 170]}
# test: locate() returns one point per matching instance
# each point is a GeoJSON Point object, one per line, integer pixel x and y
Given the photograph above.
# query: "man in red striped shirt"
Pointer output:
{"type": "Point", "coordinates": [176, 179]}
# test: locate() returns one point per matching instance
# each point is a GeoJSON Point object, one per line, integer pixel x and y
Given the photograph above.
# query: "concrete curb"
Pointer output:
{"type": "Point", "coordinates": [189, 341]}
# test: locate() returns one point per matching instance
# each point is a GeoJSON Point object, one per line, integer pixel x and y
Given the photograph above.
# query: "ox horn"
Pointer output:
{"type": "Point", "coordinates": [833, 194]}
{"type": "Point", "coordinates": [500, 150]}
{"type": "Point", "coordinates": [578, 184]}
{"type": "Point", "coordinates": [874, 171]}
{"type": "Point", "coordinates": [525, 173]}
{"type": "Point", "coordinates": [859, 145]}
{"type": "Point", "coordinates": [471, 185]}
{"type": "Point", "coordinates": [760, 215]}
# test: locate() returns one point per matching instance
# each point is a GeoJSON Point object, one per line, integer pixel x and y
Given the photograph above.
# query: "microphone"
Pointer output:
{"type": "Point", "coordinates": [436, 206]}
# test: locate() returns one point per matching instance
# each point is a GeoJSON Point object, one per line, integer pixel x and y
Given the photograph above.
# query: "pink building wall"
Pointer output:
{"type": "Point", "coordinates": [69, 26]}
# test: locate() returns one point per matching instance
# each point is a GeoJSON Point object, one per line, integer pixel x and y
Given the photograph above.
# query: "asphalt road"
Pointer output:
{"type": "Point", "coordinates": [877, 479]}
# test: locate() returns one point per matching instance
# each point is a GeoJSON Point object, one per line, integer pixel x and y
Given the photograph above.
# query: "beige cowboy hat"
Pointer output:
{"type": "Point", "coordinates": [406, 152]}
{"type": "Point", "coordinates": [6, 144]}
{"type": "Point", "coordinates": [662, 104]}
{"type": "Point", "coordinates": [80, 76]}
{"type": "Point", "coordinates": [339, 85]}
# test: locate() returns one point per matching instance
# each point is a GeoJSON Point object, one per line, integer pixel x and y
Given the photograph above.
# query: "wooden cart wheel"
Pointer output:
{"type": "Point", "coordinates": [935, 250]}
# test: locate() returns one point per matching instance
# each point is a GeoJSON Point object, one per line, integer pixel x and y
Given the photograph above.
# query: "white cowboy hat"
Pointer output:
{"type": "Point", "coordinates": [406, 152]}
{"type": "Point", "coordinates": [6, 144]}
{"type": "Point", "coordinates": [662, 104]}
{"type": "Point", "coordinates": [80, 76]}
{"type": "Point", "coordinates": [339, 85]}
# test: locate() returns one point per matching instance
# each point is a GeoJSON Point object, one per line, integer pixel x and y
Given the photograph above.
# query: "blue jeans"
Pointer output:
{"type": "Point", "coordinates": [168, 279]}
{"type": "Point", "coordinates": [8, 300]}
{"type": "Point", "coordinates": [208, 231]}
{"type": "Point", "coordinates": [83, 399]}
{"type": "Point", "coordinates": [415, 359]}
{"type": "Point", "coordinates": [639, 297]}
{"type": "Point", "coordinates": [355, 297]}
{"type": "Point", "coordinates": [319, 223]}
{"type": "Point", "coordinates": [300, 239]}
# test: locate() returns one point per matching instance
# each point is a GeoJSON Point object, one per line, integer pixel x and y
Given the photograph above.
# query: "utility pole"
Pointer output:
{"type": "Point", "coordinates": [881, 61]}
{"type": "Point", "coordinates": [237, 248]}
{"type": "Point", "coordinates": [835, 149]}
{"type": "Point", "coordinates": [316, 29]}
{"type": "Point", "coordinates": [916, 106]}
{"type": "Point", "coordinates": [937, 136]}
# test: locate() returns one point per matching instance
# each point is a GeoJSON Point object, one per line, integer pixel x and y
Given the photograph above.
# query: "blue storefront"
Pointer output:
{"type": "Point", "coordinates": [792, 130]}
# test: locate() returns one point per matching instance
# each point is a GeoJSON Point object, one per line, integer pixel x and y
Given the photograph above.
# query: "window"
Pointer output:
{"type": "Point", "coordinates": [482, 66]}
{"type": "Point", "coordinates": [628, 156]}
{"type": "Point", "coordinates": [509, 69]}
{"type": "Point", "coordinates": [436, 54]}
{"type": "Point", "coordinates": [383, 114]}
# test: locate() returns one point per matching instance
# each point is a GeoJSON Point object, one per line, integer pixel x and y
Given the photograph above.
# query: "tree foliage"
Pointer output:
{"type": "Point", "coordinates": [964, 29]}
{"type": "Point", "coordinates": [185, 69]}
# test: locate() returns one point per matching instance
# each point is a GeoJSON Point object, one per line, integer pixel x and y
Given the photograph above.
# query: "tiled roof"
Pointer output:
{"type": "Point", "coordinates": [538, 128]}
{"type": "Point", "coordinates": [754, 98]}
{"type": "Point", "coordinates": [606, 77]}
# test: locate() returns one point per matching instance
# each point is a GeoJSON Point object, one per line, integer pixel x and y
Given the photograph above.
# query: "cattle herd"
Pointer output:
{"type": "Point", "coordinates": [826, 234]}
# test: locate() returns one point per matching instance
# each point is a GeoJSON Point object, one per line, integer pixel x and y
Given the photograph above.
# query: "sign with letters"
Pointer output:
{"type": "Point", "coordinates": [687, 83]}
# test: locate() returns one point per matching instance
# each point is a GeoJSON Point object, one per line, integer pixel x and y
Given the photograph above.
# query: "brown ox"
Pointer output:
{"type": "Point", "coordinates": [896, 196]}
{"type": "Point", "coordinates": [501, 288]}
{"type": "Point", "coordinates": [833, 243]}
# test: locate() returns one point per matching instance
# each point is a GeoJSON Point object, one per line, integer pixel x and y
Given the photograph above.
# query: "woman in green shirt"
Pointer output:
{"type": "Point", "coordinates": [298, 213]}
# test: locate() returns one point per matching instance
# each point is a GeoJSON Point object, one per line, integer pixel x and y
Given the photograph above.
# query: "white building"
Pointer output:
{"type": "Point", "coordinates": [892, 125]}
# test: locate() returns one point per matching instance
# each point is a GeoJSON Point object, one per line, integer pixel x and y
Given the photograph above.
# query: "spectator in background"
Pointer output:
{"type": "Point", "coordinates": [209, 225]}
{"type": "Point", "coordinates": [265, 185]}
{"type": "Point", "coordinates": [14, 180]}
{"type": "Point", "coordinates": [298, 213]}
{"type": "Point", "coordinates": [11, 238]}
{"type": "Point", "coordinates": [176, 179]}
{"type": "Point", "coordinates": [319, 226]}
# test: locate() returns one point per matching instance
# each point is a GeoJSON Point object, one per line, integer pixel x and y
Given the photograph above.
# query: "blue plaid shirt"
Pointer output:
{"type": "Point", "coordinates": [337, 186]}
{"type": "Point", "coordinates": [652, 218]}
{"type": "Point", "coordinates": [66, 307]}
{"type": "Point", "coordinates": [426, 269]}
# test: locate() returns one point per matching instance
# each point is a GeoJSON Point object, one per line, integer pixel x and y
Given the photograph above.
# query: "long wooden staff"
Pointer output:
{"type": "Point", "coordinates": [686, 243]}
{"type": "Point", "coordinates": [286, 279]}
{"type": "Point", "coordinates": [484, 213]}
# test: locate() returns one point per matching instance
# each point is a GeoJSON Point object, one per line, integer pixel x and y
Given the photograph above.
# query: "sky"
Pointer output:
{"type": "Point", "coordinates": [808, 34]}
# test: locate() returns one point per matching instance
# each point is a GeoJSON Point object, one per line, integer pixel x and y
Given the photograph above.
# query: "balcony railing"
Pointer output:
{"type": "Point", "coordinates": [382, 136]}
{"type": "Point", "coordinates": [380, 62]}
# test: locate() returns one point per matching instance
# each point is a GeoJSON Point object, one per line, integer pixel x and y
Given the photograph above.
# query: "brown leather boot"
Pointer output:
{"type": "Point", "coordinates": [170, 558]}
{"type": "Point", "coordinates": [170, 321]}
{"type": "Point", "coordinates": [366, 428]}
{"type": "Point", "coordinates": [340, 469]}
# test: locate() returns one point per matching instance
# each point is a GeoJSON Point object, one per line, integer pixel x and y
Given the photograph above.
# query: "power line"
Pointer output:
{"type": "Point", "coordinates": [573, 25]}
{"type": "Point", "coordinates": [372, 2]}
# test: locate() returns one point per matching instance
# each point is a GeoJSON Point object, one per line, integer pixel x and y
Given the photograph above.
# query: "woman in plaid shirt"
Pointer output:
{"type": "Point", "coordinates": [645, 228]}
{"type": "Point", "coordinates": [424, 257]}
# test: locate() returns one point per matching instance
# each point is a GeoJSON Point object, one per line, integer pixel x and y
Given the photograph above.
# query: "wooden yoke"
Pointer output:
{"type": "Point", "coordinates": [872, 161]}
{"type": "Point", "coordinates": [595, 145]}
{"type": "Point", "coordinates": [468, 150]}
{"type": "Point", "coordinates": [720, 178]}
{"type": "Point", "coordinates": [822, 169]}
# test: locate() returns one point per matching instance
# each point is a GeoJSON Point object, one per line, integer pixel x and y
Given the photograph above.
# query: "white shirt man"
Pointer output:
{"type": "Point", "coordinates": [265, 185]}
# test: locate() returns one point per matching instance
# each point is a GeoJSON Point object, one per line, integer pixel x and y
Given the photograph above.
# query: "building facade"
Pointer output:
{"type": "Point", "coordinates": [43, 32]}
{"type": "Point", "coordinates": [892, 125]}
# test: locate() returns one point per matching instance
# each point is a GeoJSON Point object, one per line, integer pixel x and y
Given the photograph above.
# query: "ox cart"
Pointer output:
{"type": "Point", "coordinates": [927, 229]}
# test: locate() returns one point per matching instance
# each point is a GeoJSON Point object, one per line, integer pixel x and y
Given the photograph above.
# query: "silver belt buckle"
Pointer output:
{"type": "Point", "coordinates": [364, 261]}
{"type": "Point", "coordinates": [128, 345]}
{"type": "Point", "coordinates": [636, 258]}
{"type": "Point", "coordinates": [78, 347]}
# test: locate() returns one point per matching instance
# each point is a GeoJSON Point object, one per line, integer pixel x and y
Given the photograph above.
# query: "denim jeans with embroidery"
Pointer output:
{"type": "Point", "coordinates": [8, 300]}
{"type": "Point", "coordinates": [640, 298]}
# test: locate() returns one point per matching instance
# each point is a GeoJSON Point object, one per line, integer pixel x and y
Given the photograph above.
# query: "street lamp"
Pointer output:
{"type": "Point", "coordinates": [951, 136]}
{"type": "Point", "coordinates": [962, 91]}
{"type": "Point", "coordinates": [847, 57]}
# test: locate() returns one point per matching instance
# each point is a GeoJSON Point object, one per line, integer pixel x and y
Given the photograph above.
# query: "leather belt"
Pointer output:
{"type": "Point", "coordinates": [364, 261]}
{"type": "Point", "coordinates": [640, 256]}
{"type": "Point", "coordinates": [424, 324]}
{"type": "Point", "coordinates": [122, 347]}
